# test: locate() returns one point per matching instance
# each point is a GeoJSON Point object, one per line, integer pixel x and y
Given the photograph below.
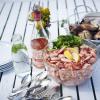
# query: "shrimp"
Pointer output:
{"type": "Point", "coordinates": [65, 60]}
{"type": "Point", "coordinates": [65, 74]}
{"type": "Point", "coordinates": [61, 56]}
{"type": "Point", "coordinates": [61, 50]}
{"type": "Point", "coordinates": [60, 65]}
{"type": "Point", "coordinates": [92, 60]}
{"type": "Point", "coordinates": [55, 58]}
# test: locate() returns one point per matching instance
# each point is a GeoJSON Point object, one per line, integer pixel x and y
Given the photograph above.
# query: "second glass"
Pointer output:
{"type": "Point", "coordinates": [39, 39]}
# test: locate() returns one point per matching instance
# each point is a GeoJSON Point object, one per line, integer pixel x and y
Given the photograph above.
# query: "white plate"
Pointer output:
{"type": "Point", "coordinates": [93, 15]}
{"type": "Point", "coordinates": [96, 41]}
{"type": "Point", "coordinates": [6, 69]}
{"type": "Point", "coordinates": [5, 53]}
{"type": "Point", "coordinates": [7, 65]}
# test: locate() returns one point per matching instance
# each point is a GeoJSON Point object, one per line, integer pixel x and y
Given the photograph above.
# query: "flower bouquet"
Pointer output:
{"type": "Point", "coordinates": [45, 18]}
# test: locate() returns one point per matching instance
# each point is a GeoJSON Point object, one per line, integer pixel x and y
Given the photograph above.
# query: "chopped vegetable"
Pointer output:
{"type": "Point", "coordinates": [75, 49]}
{"type": "Point", "coordinates": [17, 47]}
{"type": "Point", "coordinates": [68, 55]}
{"type": "Point", "coordinates": [76, 56]}
{"type": "Point", "coordinates": [67, 41]}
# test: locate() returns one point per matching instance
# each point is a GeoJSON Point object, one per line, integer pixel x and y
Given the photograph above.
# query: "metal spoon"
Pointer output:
{"type": "Point", "coordinates": [65, 98]}
{"type": "Point", "coordinates": [38, 77]}
{"type": "Point", "coordinates": [39, 87]}
{"type": "Point", "coordinates": [46, 98]}
{"type": "Point", "coordinates": [39, 83]}
{"type": "Point", "coordinates": [23, 90]}
{"type": "Point", "coordinates": [26, 81]}
{"type": "Point", "coordinates": [44, 85]}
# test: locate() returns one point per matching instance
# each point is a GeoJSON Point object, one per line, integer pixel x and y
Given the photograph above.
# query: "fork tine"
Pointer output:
{"type": "Point", "coordinates": [46, 93]}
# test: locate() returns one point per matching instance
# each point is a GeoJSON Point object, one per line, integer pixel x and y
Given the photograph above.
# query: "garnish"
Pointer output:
{"type": "Point", "coordinates": [45, 17]}
{"type": "Point", "coordinates": [67, 41]}
{"type": "Point", "coordinates": [76, 56]}
{"type": "Point", "coordinates": [68, 55]}
{"type": "Point", "coordinates": [17, 47]}
{"type": "Point", "coordinates": [72, 54]}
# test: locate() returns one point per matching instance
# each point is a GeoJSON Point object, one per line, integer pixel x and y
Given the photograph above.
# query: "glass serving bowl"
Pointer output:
{"type": "Point", "coordinates": [69, 77]}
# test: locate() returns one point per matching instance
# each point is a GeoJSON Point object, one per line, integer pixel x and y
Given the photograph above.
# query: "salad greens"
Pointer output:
{"type": "Point", "coordinates": [67, 41]}
{"type": "Point", "coordinates": [17, 47]}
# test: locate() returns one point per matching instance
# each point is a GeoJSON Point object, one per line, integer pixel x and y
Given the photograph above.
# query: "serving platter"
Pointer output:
{"type": "Point", "coordinates": [94, 18]}
{"type": "Point", "coordinates": [90, 23]}
{"type": "Point", "coordinates": [93, 15]}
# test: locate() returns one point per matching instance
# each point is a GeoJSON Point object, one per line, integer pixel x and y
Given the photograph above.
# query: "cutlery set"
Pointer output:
{"type": "Point", "coordinates": [39, 89]}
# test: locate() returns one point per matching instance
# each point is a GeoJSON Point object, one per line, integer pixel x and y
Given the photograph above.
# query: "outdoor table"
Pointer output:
{"type": "Point", "coordinates": [14, 19]}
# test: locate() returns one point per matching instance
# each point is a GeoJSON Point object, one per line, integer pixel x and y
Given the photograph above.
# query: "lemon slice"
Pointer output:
{"type": "Point", "coordinates": [68, 55]}
{"type": "Point", "coordinates": [76, 56]}
{"type": "Point", "coordinates": [17, 47]}
{"type": "Point", "coordinates": [75, 49]}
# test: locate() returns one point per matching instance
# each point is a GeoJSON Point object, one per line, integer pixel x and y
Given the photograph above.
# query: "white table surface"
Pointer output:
{"type": "Point", "coordinates": [13, 19]}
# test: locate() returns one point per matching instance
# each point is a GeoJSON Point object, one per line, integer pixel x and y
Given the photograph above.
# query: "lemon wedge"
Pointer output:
{"type": "Point", "coordinates": [75, 49]}
{"type": "Point", "coordinates": [68, 55]}
{"type": "Point", "coordinates": [76, 56]}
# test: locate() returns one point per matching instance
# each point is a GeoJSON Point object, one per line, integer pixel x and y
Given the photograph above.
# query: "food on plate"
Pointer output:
{"type": "Point", "coordinates": [86, 29]}
{"type": "Point", "coordinates": [85, 55]}
{"type": "Point", "coordinates": [67, 41]}
{"type": "Point", "coordinates": [75, 28]}
{"type": "Point", "coordinates": [68, 55]}
{"type": "Point", "coordinates": [70, 64]}
{"type": "Point", "coordinates": [88, 26]}
{"type": "Point", "coordinates": [85, 34]}
{"type": "Point", "coordinates": [76, 56]}
{"type": "Point", "coordinates": [97, 36]}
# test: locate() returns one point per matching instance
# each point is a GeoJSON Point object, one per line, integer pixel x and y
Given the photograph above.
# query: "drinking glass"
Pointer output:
{"type": "Point", "coordinates": [20, 57]}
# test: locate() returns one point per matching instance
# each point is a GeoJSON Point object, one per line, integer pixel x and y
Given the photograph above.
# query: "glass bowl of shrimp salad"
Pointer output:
{"type": "Point", "coordinates": [69, 60]}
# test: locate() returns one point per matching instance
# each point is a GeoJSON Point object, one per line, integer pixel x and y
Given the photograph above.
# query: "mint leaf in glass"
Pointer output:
{"type": "Point", "coordinates": [17, 47]}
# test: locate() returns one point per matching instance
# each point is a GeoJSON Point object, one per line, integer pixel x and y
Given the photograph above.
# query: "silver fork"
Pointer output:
{"type": "Point", "coordinates": [45, 94]}
{"type": "Point", "coordinates": [46, 98]}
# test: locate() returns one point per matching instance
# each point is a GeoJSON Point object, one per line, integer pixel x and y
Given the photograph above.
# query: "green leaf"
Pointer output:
{"type": "Point", "coordinates": [17, 47]}
{"type": "Point", "coordinates": [67, 41]}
